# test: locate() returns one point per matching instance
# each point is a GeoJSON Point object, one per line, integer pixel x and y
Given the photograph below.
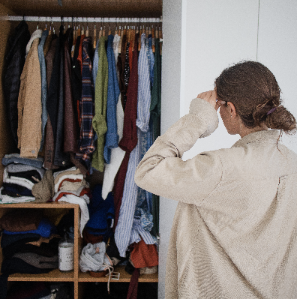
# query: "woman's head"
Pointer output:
{"type": "Point", "coordinates": [253, 91]}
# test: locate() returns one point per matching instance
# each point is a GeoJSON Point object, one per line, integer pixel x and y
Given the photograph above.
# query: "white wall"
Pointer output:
{"type": "Point", "coordinates": [277, 49]}
{"type": "Point", "coordinates": [201, 38]}
{"type": "Point", "coordinates": [170, 107]}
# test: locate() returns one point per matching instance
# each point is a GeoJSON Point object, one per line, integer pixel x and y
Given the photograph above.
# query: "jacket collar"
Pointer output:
{"type": "Point", "coordinates": [270, 135]}
{"type": "Point", "coordinates": [35, 35]}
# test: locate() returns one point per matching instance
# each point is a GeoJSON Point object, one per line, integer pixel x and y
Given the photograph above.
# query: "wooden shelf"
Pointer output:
{"type": "Point", "coordinates": [39, 205]}
{"type": "Point", "coordinates": [124, 277]}
{"type": "Point", "coordinates": [54, 275]}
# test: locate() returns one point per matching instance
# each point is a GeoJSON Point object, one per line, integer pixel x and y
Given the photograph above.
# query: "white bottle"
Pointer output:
{"type": "Point", "coordinates": [65, 254]}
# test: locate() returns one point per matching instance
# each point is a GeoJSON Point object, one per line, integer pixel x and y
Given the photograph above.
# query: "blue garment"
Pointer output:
{"type": "Point", "coordinates": [95, 63]}
{"type": "Point", "coordinates": [44, 87]}
{"type": "Point", "coordinates": [125, 227]}
{"type": "Point", "coordinates": [44, 229]}
{"type": "Point", "coordinates": [15, 158]}
{"type": "Point", "coordinates": [150, 59]}
{"type": "Point", "coordinates": [101, 213]}
{"type": "Point", "coordinates": [111, 138]}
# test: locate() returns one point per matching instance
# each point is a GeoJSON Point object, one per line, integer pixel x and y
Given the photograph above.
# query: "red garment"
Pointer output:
{"type": "Point", "coordinates": [133, 285]}
{"type": "Point", "coordinates": [144, 255]}
{"type": "Point", "coordinates": [70, 180]}
{"type": "Point", "coordinates": [130, 138]}
{"type": "Point", "coordinates": [130, 55]}
{"type": "Point", "coordinates": [83, 192]}
{"type": "Point", "coordinates": [119, 187]}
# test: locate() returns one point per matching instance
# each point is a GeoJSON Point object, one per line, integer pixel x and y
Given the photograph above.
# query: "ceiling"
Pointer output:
{"type": "Point", "coordinates": [86, 8]}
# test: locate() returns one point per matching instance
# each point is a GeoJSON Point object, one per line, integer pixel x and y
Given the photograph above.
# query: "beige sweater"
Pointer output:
{"type": "Point", "coordinates": [234, 231]}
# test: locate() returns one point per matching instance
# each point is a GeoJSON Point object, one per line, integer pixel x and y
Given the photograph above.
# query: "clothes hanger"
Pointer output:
{"type": "Point", "coordinates": [121, 38]}
{"type": "Point", "coordinates": [104, 31]}
{"type": "Point", "coordinates": [87, 28]}
{"type": "Point", "coordinates": [153, 39]}
{"type": "Point", "coordinates": [37, 23]}
{"type": "Point", "coordinates": [110, 32]}
{"type": "Point", "coordinates": [94, 37]}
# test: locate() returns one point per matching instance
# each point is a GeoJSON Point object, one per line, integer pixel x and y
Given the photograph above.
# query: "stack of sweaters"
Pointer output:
{"type": "Point", "coordinates": [29, 244]}
{"type": "Point", "coordinates": [70, 186]}
{"type": "Point", "coordinates": [20, 175]}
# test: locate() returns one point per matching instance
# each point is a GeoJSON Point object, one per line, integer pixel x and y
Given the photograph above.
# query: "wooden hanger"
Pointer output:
{"type": "Point", "coordinates": [104, 31]}
{"type": "Point", "coordinates": [116, 30]}
{"type": "Point", "coordinates": [153, 39]}
{"type": "Point", "coordinates": [87, 31]}
{"type": "Point", "coordinates": [82, 31]}
{"type": "Point", "coordinates": [94, 37]}
{"type": "Point", "coordinates": [79, 30]}
{"type": "Point", "coordinates": [100, 33]}
{"type": "Point", "coordinates": [133, 37]}
{"type": "Point", "coordinates": [147, 32]}
{"type": "Point", "coordinates": [121, 38]}
{"type": "Point", "coordinates": [73, 41]}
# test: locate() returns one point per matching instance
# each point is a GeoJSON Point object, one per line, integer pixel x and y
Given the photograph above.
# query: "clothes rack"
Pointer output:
{"type": "Point", "coordinates": [80, 19]}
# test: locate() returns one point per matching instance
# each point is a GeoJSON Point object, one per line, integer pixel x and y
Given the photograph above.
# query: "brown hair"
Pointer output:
{"type": "Point", "coordinates": [254, 91]}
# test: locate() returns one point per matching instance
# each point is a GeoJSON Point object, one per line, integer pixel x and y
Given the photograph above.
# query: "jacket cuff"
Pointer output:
{"type": "Point", "coordinates": [207, 113]}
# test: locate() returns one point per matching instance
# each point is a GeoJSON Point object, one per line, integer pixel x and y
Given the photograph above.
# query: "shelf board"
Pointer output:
{"type": "Point", "coordinates": [124, 277]}
{"type": "Point", "coordinates": [54, 275]}
{"type": "Point", "coordinates": [39, 205]}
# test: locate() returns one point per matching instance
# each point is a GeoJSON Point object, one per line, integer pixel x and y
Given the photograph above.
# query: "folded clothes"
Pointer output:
{"type": "Point", "coordinates": [15, 168]}
{"type": "Point", "coordinates": [17, 180]}
{"type": "Point", "coordinates": [16, 265]}
{"type": "Point", "coordinates": [79, 192]}
{"type": "Point", "coordinates": [5, 199]}
{"type": "Point", "coordinates": [21, 220]}
{"type": "Point", "coordinates": [15, 190]}
{"type": "Point", "coordinates": [38, 261]}
{"type": "Point", "coordinates": [44, 190]}
{"type": "Point", "coordinates": [31, 175]}
{"type": "Point", "coordinates": [45, 249]}
{"type": "Point", "coordinates": [10, 239]}
{"type": "Point", "coordinates": [61, 178]}
{"type": "Point", "coordinates": [70, 171]}
{"type": "Point", "coordinates": [45, 229]}
{"type": "Point", "coordinates": [17, 159]}
{"type": "Point", "coordinates": [72, 184]}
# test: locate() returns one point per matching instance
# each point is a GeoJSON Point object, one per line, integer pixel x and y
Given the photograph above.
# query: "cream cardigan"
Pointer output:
{"type": "Point", "coordinates": [234, 231]}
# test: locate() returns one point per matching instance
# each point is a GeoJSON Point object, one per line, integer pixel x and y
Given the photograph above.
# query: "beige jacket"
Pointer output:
{"type": "Point", "coordinates": [234, 231]}
{"type": "Point", "coordinates": [29, 102]}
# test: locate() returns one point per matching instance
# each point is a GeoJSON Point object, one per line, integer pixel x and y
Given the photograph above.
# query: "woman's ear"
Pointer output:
{"type": "Point", "coordinates": [232, 109]}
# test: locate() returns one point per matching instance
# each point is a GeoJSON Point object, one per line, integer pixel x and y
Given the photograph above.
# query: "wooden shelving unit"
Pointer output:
{"type": "Point", "coordinates": [75, 276]}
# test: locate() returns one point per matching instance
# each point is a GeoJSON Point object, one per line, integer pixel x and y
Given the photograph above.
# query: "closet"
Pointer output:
{"type": "Point", "coordinates": [90, 15]}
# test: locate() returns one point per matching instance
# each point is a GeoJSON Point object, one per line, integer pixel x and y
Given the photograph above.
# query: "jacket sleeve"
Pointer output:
{"type": "Point", "coordinates": [164, 173]}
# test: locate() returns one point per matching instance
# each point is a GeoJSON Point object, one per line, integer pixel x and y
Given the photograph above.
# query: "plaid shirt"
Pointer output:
{"type": "Point", "coordinates": [86, 142]}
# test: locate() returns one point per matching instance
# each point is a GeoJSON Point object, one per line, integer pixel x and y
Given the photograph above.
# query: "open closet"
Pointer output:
{"type": "Point", "coordinates": [96, 22]}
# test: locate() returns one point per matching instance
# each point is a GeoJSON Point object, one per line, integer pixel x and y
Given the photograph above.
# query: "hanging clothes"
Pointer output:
{"type": "Point", "coordinates": [95, 63]}
{"type": "Point", "coordinates": [60, 157]}
{"type": "Point", "coordinates": [111, 137]}
{"type": "Point", "coordinates": [155, 110]}
{"type": "Point", "coordinates": [87, 146]}
{"type": "Point", "coordinates": [117, 154]}
{"type": "Point", "coordinates": [129, 200]}
{"type": "Point", "coordinates": [121, 67]}
{"type": "Point", "coordinates": [99, 120]}
{"type": "Point", "coordinates": [49, 135]}
{"type": "Point", "coordinates": [14, 63]}
{"type": "Point", "coordinates": [70, 126]}
{"type": "Point", "coordinates": [29, 102]}
{"type": "Point", "coordinates": [130, 139]}
{"type": "Point", "coordinates": [44, 88]}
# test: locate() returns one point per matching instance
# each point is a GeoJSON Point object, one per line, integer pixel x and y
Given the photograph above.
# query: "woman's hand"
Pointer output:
{"type": "Point", "coordinates": [210, 97]}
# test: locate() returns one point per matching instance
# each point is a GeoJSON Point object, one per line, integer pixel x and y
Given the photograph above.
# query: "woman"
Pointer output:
{"type": "Point", "coordinates": [234, 231]}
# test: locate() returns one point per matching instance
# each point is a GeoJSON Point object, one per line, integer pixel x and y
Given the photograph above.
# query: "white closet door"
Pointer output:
{"type": "Point", "coordinates": [277, 49]}
{"type": "Point", "coordinates": [201, 38]}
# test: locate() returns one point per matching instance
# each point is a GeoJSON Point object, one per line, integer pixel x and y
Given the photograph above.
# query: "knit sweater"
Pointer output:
{"type": "Point", "coordinates": [234, 231]}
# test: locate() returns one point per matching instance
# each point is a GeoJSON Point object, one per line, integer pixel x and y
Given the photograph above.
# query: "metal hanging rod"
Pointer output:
{"type": "Point", "coordinates": [80, 19]}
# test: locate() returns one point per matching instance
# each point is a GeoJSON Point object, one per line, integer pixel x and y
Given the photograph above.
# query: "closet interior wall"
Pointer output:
{"type": "Point", "coordinates": [6, 143]}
